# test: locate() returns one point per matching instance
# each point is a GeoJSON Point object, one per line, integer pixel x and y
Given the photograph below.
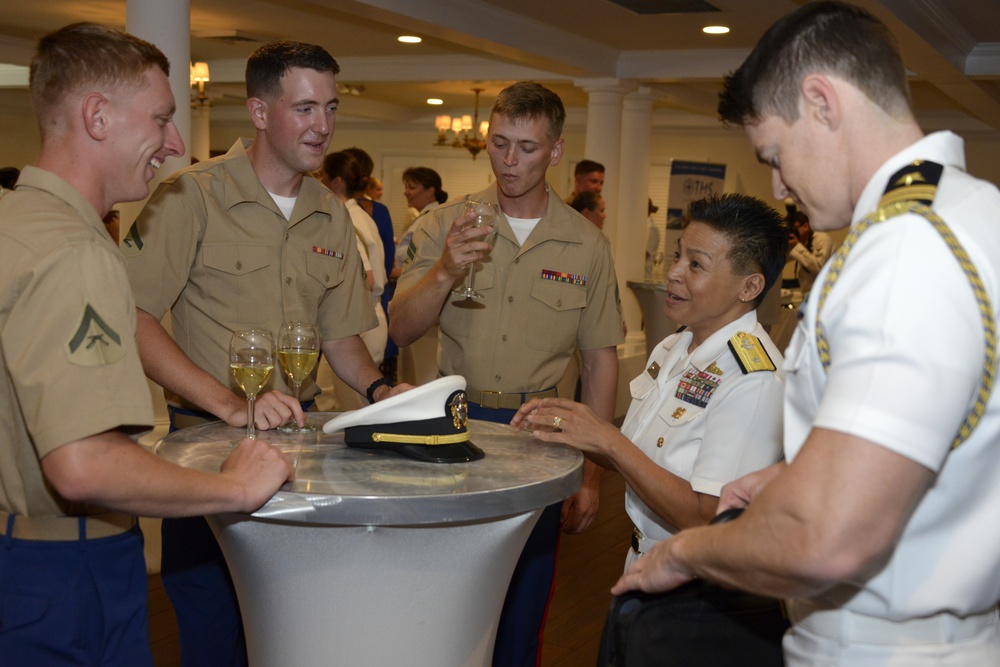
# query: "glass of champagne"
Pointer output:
{"type": "Point", "coordinates": [251, 358]}
{"type": "Point", "coordinates": [298, 350]}
{"type": "Point", "coordinates": [487, 215]}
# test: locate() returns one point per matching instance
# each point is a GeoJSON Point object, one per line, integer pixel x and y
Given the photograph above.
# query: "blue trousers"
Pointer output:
{"type": "Point", "coordinates": [519, 635]}
{"type": "Point", "coordinates": [78, 602]}
{"type": "Point", "coordinates": [197, 581]}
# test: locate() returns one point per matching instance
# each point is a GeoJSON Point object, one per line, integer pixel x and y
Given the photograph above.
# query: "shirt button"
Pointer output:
{"type": "Point", "coordinates": [510, 299]}
{"type": "Point", "coordinates": [326, 278]}
{"type": "Point", "coordinates": [288, 280]}
{"type": "Point", "coordinates": [286, 236]}
{"type": "Point", "coordinates": [498, 376]}
{"type": "Point", "coordinates": [239, 265]}
{"type": "Point", "coordinates": [517, 260]}
{"type": "Point", "coordinates": [659, 442]}
{"type": "Point", "coordinates": [504, 338]}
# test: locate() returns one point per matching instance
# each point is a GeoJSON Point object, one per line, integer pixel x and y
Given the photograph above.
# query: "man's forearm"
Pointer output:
{"type": "Point", "coordinates": [167, 365]}
{"type": "Point", "coordinates": [413, 312]}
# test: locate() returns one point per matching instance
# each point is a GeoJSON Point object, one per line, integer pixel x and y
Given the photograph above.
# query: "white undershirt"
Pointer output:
{"type": "Point", "coordinates": [285, 204]}
{"type": "Point", "coordinates": [522, 227]}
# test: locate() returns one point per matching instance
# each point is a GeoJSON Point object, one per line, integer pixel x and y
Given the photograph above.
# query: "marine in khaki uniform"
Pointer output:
{"type": "Point", "coordinates": [72, 572]}
{"type": "Point", "coordinates": [257, 242]}
{"type": "Point", "coordinates": [549, 287]}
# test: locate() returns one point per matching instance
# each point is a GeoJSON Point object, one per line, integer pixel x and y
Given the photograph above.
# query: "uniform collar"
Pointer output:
{"type": "Point", "coordinates": [242, 185]}
{"type": "Point", "coordinates": [558, 223]}
{"type": "Point", "coordinates": [714, 345]}
{"type": "Point", "coordinates": [47, 181]}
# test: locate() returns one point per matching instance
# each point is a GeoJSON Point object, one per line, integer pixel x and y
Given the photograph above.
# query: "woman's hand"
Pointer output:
{"type": "Point", "coordinates": [568, 422]}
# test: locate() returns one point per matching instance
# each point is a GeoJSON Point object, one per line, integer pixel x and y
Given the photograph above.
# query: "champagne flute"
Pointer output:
{"type": "Point", "coordinates": [487, 214]}
{"type": "Point", "coordinates": [298, 350]}
{"type": "Point", "coordinates": [251, 358]}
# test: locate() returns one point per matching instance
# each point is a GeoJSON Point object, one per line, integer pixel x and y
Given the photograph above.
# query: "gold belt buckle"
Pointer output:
{"type": "Point", "coordinates": [490, 399]}
{"type": "Point", "coordinates": [636, 537]}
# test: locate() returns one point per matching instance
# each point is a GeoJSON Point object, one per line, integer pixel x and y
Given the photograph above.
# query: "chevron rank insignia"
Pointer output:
{"type": "Point", "coordinates": [94, 343]}
{"type": "Point", "coordinates": [132, 245]}
{"type": "Point", "coordinates": [750, 353]}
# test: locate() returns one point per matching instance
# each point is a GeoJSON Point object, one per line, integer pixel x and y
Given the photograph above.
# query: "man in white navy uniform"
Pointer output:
{"type": "Point", "coordinates": [881, 529]}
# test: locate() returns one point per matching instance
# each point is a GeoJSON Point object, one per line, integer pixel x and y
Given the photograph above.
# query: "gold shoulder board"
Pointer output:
{"type": "Point", "coordinates": [750, 353]}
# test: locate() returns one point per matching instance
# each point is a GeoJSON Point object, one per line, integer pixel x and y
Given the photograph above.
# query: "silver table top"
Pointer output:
{"type": "Point", "coordinates": [338, 485]}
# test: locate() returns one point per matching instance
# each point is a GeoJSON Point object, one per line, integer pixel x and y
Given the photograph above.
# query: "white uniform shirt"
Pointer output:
{"type": "Point", "coordinates": [906, 346]}
{"type": "Point", "coordinates": [714, 422]}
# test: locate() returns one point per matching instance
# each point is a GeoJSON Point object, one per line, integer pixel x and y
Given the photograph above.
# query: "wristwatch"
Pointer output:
{"type": "Point", "coordinates": [375, 385]}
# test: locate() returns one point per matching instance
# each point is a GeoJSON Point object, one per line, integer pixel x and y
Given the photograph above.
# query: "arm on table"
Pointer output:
{"type": "Point", "coordinates": [167, 365]}
{"type": "Point", "coordinates": [112, 471]}
{"type": "Point", "coordinates": [802, 534]}
{"type": "Point", "coordinates": [349, 359]}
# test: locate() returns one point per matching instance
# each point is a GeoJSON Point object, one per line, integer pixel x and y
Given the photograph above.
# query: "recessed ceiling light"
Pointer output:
{"type": "Point", "coordinates": [409, 39]}
{"type": "Point", "coordinates": [435, 101]}
{"type": "Point", "coordinates": [715, 29]}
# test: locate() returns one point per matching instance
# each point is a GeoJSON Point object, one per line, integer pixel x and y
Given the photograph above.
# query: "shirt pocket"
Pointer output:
{"type": "Point", "coordinates": [237, 277]}
{"type": "Point", "coordinates": [327, 271]}
{"type": "Point", "coordinates": [554, 310]}
{"type": "Point", "coordinates": [235, 259]}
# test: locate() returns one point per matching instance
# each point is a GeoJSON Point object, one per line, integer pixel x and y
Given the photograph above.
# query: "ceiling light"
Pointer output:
{"type": "Point", "coordinates": [715, 29]}
{"type": "Point", "coordinates": [409, 39]}
{"type": "Point", "coordinates": [435, 101]}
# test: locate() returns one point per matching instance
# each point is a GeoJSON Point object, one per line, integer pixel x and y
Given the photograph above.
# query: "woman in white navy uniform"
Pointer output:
{"type": "Point", "coordinates": [707, 408]}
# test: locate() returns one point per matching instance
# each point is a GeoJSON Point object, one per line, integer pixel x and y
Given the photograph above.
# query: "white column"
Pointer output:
{"type": "Point", "coordinates": [603, 139]}
{"type": "Point", "coordinates": [631, 211]}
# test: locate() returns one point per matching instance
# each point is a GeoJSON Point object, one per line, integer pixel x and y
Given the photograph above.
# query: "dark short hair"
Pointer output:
{"type": "Point", "coordinates": [586, 201]}
{"type": "Point", "coordinates": [269, 62]}
{"type": "Point", "coordinates": [8, 177]}
{"type": "Point", "coordinates": [86, 55]}
{"type": "Point", "coordinates": [527, 100]}
{"type": "Point", "coordinates": [345, 166]}
{"type": "Point", "coordinates": [428, 178]}
{"type": "Point", "coordinates": [831, 38]}
{"type": "Point", "coordinates": [586, 167]}
{"type": "Point", "coordinates": [757, 235]}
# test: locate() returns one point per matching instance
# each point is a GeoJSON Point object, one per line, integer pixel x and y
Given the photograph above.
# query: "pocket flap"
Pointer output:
{"type": "Point", "coordinates": [235, 259]}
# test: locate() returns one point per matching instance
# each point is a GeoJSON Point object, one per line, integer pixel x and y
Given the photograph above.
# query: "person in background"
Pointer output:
{"type": "Point", "coordinates": [238, 241]}
{"type": "Point", "coordinates": [8, 179]}
{"type": "Point", "coordinates": [423, 192]}
{"type": "Point", "coordinates": [548, 287]}
{"type": "Point", "coordinates": [880, 530]}
{"type": "Point", "coordinates": [343, 175]}
{"type": "Point", "coordinates": [588, 176]}
{"type": "Point", "coordinates": [808, 249]}
{"type": "Point", "coordinates": [654, 257]}
{"type": "Point", "coordinates": [73, 583]}
{"type": "Point", "coordinates": [374, 189]}
{"type": "Point", "coordinates": [707, 409]}
{"type": "Point", "coordinates": [379, 212]}
{"type": "Point", "coordinates": [591, 206]}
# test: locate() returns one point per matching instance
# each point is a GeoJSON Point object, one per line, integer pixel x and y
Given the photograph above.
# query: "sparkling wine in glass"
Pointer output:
{"type": "Point", "coordinates": [487, 215]}
{"type": "Point", "coordinates": [251, 358]}
{"type": "Point", "coordinates": [298, 350]}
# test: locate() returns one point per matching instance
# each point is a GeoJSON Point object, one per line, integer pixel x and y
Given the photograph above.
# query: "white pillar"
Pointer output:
{"type": "Point", "coordinates": [632, 208]}
{"type": "Point", "coordinates": [168, 25]}
{"type": "Point", "coordinates": [603, 139]}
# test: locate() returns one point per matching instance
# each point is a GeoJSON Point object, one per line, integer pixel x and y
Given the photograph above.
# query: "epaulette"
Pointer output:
{"type": "Point", "coordinates": [916, 181]}
{"type": "Point", "coordinates": [750, 353]}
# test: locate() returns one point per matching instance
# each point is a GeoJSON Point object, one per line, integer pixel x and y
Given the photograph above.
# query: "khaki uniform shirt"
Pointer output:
{"type": "Point", "coordinates": [212, 247]}
{"type": "Point", "coordinates": [541, 300]}
{"type": "Point", "coordinates": [70, 365]}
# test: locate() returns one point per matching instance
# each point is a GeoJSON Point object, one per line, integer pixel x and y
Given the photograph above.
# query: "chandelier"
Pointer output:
{"type": "Point", "coordinates": [465, 130]}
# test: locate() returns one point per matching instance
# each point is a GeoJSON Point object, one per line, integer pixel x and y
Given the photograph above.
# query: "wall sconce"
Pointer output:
{"type": "Point", "coordinates": [199, 75]}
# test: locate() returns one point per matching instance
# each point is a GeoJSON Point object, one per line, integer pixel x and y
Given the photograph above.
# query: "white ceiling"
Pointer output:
{"type": "Point", "coordinates": [952, 47]}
